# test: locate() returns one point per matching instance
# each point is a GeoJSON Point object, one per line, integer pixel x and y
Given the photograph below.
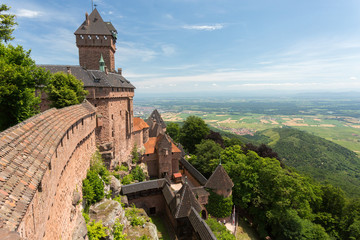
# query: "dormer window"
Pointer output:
{"type": "Point", "coordinates": [89, 37]}
{"type": "Point", "coordinates": [81, 36]}
{"type": "Point", "coordinates": [97, 37]}
{"type": "Point", "coordinates": [105, 37]}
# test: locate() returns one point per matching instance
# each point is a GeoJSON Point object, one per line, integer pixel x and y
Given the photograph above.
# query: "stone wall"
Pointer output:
{"type": "Point", "coordinates": [190, 177]}
{"type": "Point", "coordinates": [55, 149]}
{"type": "Point", "coordinates": [152, 201]}
{"type": "Point", "coordinates": [116, 112]}
{"type": "Point", "coordinates": [89, 57]}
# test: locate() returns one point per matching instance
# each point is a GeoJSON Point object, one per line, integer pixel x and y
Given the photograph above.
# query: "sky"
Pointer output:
{"type": "Point", "coordinates": [208, 46]}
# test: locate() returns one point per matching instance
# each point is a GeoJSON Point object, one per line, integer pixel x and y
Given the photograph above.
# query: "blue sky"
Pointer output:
{"type": "Point", "coordinates": [233, 46]}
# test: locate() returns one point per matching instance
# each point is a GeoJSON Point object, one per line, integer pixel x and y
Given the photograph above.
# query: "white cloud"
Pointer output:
{"type": "Point", "coordinates": [168, 50]}
{"type": "Point", "coordinates": [27, 13]}
{"type": "Point", "coordinates": [168, 16]}
{"type": "Point", "coordinates": [129, 50]}
{"type": "Point", "coordinates": [353, 78]}
{"type": "Point", "coordinates": [204, 27]}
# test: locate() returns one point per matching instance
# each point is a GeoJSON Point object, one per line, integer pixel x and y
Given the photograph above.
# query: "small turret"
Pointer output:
{"type": "Point", "coordinates": [220, 182]}
{"type": "Point", "coordinates": [102, 64]}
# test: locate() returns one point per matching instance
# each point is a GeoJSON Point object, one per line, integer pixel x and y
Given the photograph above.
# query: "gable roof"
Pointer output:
{"type": "Point", "coordinates": [139, 124]}
{"type": "Point", "coordinates": [142, 186]}
{"type": "Point", "coordinates": [200, 226]}
{"type": "Point", "coordinates": [193, 171]}
{"type": "Point", "coordinates": [92, 78]}
{"type": "Point", "coordinates": [96, 25]}
{"type": "Point", "coordinates": [187, 200]}
{"type": "Point", "coordinates": [157, 142]}
{"type": "Point", "coordinates": [219, 179]}
{"type": "Point", "coordinates": [156, 117]}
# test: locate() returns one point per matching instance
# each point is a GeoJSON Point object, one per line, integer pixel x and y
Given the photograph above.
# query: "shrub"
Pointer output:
{"type": "Point", "coordinates": [93, 187]}
{"type": "Point", "coordinates": [138, 174]}
{"type": "Point", "coordinates": [144, 237]}
{"type": "Point", "coordinates": [124, 168]}
{"type": "Point", "coordinates": [96, 230]}
{"type": "Point", "coordinates": [127, 179]}
{"type": "Point", "coordinates": [97, 165]}
{"type": "Point", "coordinates": [132, 216]}
{"type": "Point", "coordinates": [135, 155]}
{"type": "Point", "coordinates": [219, 230]}
{"type": "Point", "coordinates": [118, 231]}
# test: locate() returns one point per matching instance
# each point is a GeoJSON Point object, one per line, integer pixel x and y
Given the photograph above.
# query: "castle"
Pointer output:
{"type": "Point", "coordinates": [44, 159]}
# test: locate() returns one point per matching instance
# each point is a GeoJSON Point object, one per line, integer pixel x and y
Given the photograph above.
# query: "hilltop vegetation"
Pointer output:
{"type": "Point", "coordinates": [314, 156]}
{"type": "Point", "coordinates": [277, 200]}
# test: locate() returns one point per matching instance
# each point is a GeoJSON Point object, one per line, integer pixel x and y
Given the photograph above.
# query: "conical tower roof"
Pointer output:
{"type": "Point", "coordinates": [219, 179]}
{"type": "Point", "coordinates": [94, 24]}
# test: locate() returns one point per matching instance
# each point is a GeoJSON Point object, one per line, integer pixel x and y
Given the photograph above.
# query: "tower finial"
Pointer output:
{"type": "Point", "coordinates": [92, 5]}
{"type": "Point", "coordinates": [220, 159]}
{"type": "Point", "coordinates": [102, 64]}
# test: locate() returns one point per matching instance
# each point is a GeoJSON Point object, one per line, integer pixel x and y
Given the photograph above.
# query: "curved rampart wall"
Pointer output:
{"type": "Point", "coordinates": [42, 163]}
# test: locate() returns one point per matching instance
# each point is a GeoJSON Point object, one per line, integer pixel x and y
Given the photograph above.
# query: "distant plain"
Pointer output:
{"type": "Point", "coordinates": [336, 119]}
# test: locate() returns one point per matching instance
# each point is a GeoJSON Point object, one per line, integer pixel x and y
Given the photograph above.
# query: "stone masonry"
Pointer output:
{"type": "Point", "coordinates": [42, 162]}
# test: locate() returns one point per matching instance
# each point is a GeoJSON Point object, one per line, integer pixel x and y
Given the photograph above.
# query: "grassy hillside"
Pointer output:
{"type": "Point", "coordinates": [315, 156]}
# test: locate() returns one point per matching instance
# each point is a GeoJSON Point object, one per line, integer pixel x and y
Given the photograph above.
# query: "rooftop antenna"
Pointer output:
{"type": "Point", "coordinates": [92, 5]}
{"type": "Point", "coordinates": [220, 160]}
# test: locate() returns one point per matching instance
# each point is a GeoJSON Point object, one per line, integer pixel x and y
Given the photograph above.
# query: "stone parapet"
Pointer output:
{"type": "Point", "coordinates": [37, 158]}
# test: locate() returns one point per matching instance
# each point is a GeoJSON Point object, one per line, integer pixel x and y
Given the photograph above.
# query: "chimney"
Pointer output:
{"type": "Point", "coordinates": [106, 70]}
{"type": "Point", "coordinates": [68, 70]}
{"type": "Point", "coordinates": [120, 71]}
{"type": "Point", "coordinates": [177, 199]}
{"type": "Point", "coordinates": [87, 20]}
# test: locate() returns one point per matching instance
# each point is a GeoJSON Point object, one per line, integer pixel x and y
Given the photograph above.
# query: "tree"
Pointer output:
{"type": "Point", "coordinates": [7, 22]}
{"type": "Point", "coordinates": [216, 137]}
{"type": "Point", "coordinates": [19, 80]}
{"type": "Point", "coordinates": [173, 130]}
{"type": "Point", "coordinates": [192, 132]}
{"type": "Point", "coordinates": [219, 206]}
{"type": "Point", "coordinates": [65, 90]}
{"type": "Point", "coordinates": [207, 157]}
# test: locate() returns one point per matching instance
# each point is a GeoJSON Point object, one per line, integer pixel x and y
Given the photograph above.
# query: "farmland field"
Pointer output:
{"type": "Point", "coordinates": [337, 120]}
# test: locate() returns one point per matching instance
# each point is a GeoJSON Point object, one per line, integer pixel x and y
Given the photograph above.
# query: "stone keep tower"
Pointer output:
{"type": "Point", "coordinates": [95, 38]}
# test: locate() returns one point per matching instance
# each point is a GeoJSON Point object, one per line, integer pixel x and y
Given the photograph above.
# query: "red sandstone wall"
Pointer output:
{"type": "Point", "coordinates": [175, 162]}
{"type": "Point", "coordinates": [152, 164]}
{"type": "Point", "coordinates": [138, 138]}
{"type": "Point", "coordinates": [146, 135]}
{"type": "Point", "coordinates": [116, 109]}
{"type": "Point", "coordinates": [89, 57]}
{"type": "Point", "coordinates": [50, 215]}
{"type": "Point", "coordinates": [190, 177]}
{"type": "Point", "coordinates": [148, 202]}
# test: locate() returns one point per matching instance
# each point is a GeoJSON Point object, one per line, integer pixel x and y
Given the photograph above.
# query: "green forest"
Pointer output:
{"type": "Point", "coordinates": [279, 201]}
{"type": "Point", "coordinates": [317, 157]}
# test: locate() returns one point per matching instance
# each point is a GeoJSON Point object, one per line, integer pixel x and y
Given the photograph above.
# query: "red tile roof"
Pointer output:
{"type": "Point", "coordinates": [150, 145]}
{"type": "Point", "coordinates": [175, 149]}
{"type": "Point", "coordinates": [139, 124]}
{"type": "Point", "coordinates": [177, 175]}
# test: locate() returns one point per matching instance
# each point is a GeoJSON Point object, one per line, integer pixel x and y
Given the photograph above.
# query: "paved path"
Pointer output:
{"type": "Point", "coordinates": [230, 227]}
